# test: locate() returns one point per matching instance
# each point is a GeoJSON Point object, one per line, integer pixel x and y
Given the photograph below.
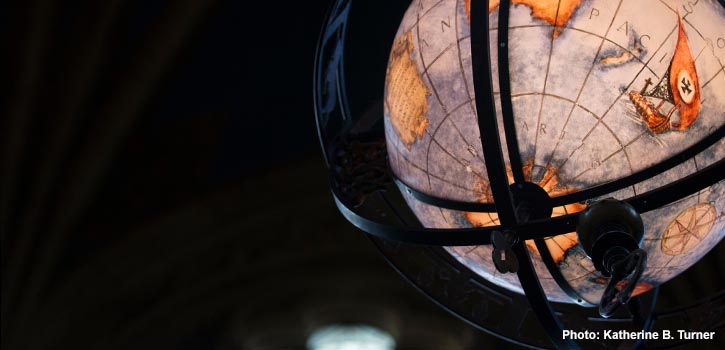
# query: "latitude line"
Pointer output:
{"type": "Point", "coordinates": [625, 49]}
{"type": "Point", "coordinates": [698, 33]}
{"type": "Point", "coordinates": [420, 5]}
{"type": "Point", "coordinates": [440, 102]}
{"type": "Point", "coordinates": [667, 264]}
{"type": "Point", "coordinates": [471, 98]}
{"type": "Point", "coordinates": [587, 274]}
{"type": "Point", "coordinates": [455, 158]}
{"type": "Point", "coordinates": [470, 249]}
{"type": "Point", "coordinates": [669, 7]}
{"type": "Point", "coordinates": [565, 237]}
{"type": "Point", "coordinates": [460, 60]}
{"type": "Point", "coordinates": [422, 62]}
{"type": "Point", "coordinates": [460, 134]}
{"type": "Point", "coordinates": [455, 126]}
{"type": "Point", "coordinates": [644, 132]}
{"type": "Point", "coordinates": [612, 104]}
{"type": "Point", "coordinates": [546, 80]}
{"type": "Point", "coordinates": [461, 252]}
{"type": "Point", "coordinates": [591, 130]}
{"type": "Point", "coordinates": [713, 77]}
{"type": "Point", "coordinates": [621, 148]}
{"type": "Point", "coordinates": [470, 146]}
{"type": "Point", "coordinates": [433, 61]}
{"type": "Point", "coordinates": [594, 115]}
{"type": "Point", "coordinates": [439, 178]}
{"type": "Point", "coordinates": [491, 221]}
{"type": "Point", "coordinates": [465, 84]}
{"type": "Point", "coordinates": [443, 215]}
{"type": "Point", "coordinates": [718, 72]}
{"type": "Point", "coordinates": [703, 50]}
{"type": "Point", "coordinates": [686, 20]}
{"type": "Point", "coordinates": [581, 89]}
{"type": "Point", "coordinates": [551, 239]}
{"type": "Point", "coordinates": [445, 118]}
{"type": "Point", "coordinates": [566, 99]}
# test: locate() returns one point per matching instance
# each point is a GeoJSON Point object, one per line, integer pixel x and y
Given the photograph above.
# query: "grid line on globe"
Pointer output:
{"type": "Point", "coordinates": [581, 87]}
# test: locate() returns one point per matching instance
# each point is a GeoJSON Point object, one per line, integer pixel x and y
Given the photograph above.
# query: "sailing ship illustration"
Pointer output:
{"type": "Point", "coordinates": [679, 86]}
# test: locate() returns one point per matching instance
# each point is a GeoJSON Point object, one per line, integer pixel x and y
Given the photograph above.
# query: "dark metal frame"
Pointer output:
{"type": "Point", "coordinates": [335, 121]}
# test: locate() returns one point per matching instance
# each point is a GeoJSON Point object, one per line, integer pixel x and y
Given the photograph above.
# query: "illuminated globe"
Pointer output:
{"type": "Point", "coordinates": [600, 90]}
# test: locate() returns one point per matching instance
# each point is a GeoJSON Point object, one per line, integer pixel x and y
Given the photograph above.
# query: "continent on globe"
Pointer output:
{"type": "Point", "coordinates": [555, 12]}
{"type": "Point", "coordinates": [593, 89]}
{"type": "Point", "coordinates": [622, 57]}
{"type": "Point", "coordinates": [406, 102]}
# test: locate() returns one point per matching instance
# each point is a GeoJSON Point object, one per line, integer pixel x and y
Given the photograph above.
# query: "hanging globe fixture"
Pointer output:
{"type": "Point", "coordinates": [560, 157]}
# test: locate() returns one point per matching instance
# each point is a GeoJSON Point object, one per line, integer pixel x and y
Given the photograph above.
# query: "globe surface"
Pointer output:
{"type": "Point", "coordinates": [600, 90]}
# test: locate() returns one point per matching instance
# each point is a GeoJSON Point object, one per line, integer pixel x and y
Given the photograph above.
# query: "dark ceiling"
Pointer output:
{"type": "Point", "coordinates": [162, 185]}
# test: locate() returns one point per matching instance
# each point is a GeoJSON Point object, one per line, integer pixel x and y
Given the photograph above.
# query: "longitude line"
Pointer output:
{"type": "Point", "coordinates": [460, 60]}
{"type": "Point", "coordinates": [471, 99]}
{"type": "Point", "coordinates": [594, 115]}
{"type": "Point", "coordinates": [446, 118]}
{"type": "Point", "coordinates": [435, 92]}
{"type": "Point", "coordinates": [419, 16]}
{"type": "Point", "coordinates": [581, 89]}
{"type": "Point", "coordinates": [611, 105]}
{"type": "Point", "coordinates": [546, 80]}
{"type": "Point", "coordinates": [465, 82]}
{"type": "Point", "coordinates": [435, 59]}
{"type": "Point", "coordinates": [422, 62]}
{"type": "Point", "coordinates": [625, 49]}
{"type": "Point", "coordinates": [453, 156]}
{"type": "Point", "coordinates": [430, 175]}
{"type": "Point", "coordinates": [713, 78]}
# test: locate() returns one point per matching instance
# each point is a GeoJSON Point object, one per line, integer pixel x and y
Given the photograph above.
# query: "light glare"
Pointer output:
{"type": "Point", "coordinates": [350, 337]}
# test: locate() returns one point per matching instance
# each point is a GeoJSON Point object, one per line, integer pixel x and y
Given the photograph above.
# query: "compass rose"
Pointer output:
{"type": "Point", "coordinates": [688, 229]}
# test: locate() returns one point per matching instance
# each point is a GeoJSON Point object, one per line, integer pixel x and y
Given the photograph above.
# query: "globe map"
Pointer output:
{"type": "Point", "coordinates": [600, 90]}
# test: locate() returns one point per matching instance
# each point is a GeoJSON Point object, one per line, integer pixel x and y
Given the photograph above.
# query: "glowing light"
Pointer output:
{"type": "Point", "coordinates": [350, 337]}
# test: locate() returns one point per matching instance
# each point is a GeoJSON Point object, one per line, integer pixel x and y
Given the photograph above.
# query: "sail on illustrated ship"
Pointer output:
{"type": "Point", "coordinates": [679, 86]}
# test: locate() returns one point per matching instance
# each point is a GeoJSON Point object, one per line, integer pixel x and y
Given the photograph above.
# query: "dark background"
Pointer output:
{"type": "Point", "coordinates": [163, 186]}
